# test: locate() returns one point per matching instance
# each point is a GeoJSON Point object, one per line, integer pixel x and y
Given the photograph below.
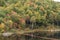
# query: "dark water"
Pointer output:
{"type": "Point", "coordinates": [41, 34]}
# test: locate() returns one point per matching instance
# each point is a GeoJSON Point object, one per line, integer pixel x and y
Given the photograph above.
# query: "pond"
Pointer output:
{"type": "Point", "coordinates": [32, 36]}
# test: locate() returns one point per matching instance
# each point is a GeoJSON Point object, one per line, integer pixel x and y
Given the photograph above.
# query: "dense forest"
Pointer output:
{"type": "Point", "coordinates": [21, 14]}
{"type": "Point", "coordinates": [28, 15]}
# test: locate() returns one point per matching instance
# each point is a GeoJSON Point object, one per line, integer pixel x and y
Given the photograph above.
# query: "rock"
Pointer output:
{"type": "Point", "coordinates": [6, 34]}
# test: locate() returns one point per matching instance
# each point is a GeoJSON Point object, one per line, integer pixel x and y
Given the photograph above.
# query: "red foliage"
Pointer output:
{"type": "Point", "coordinates": [22, 20]}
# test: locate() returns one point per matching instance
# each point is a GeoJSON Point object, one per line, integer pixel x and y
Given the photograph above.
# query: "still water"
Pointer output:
{"type": "Point", "coordinates": [34, 36]}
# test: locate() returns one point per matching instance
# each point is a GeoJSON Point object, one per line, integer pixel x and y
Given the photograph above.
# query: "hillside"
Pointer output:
{"type": "Point", "coordinates": [29, 14]}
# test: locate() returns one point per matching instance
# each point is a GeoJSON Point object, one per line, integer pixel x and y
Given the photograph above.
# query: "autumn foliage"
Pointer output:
{"type": "Point", "coordinates": [15, 13]}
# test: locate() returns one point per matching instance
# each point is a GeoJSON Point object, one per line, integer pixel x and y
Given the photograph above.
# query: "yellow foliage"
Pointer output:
{"type": "Point", "coordinates": [2, 25]}
{"type": "Point", "coordinates": [10, 21]}
{"type": "Point", "coordinates": [42, 8]}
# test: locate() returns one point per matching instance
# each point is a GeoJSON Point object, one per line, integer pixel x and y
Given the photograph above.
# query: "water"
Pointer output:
{"type": "Point", "coordinates": [36, 36]}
